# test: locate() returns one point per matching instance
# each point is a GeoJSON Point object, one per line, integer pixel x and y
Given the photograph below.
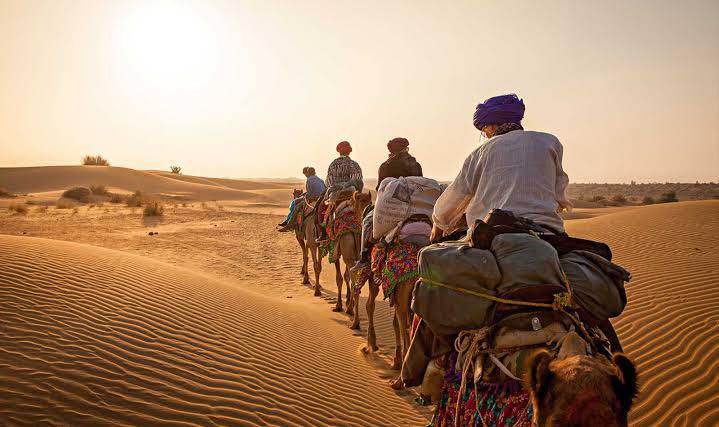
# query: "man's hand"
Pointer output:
{"type": "Point", "coordinates": [437, 233]}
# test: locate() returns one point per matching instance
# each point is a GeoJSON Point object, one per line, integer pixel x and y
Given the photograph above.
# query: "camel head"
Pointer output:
{"type": "Point", "coordinates": [580, 390]}
{"type": "Point", "coordinates": [359, 202]}
{"type": "Point", "coordinates": [296, 193]}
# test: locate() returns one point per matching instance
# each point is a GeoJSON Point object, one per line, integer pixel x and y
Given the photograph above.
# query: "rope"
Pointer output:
{"type": "Point", "coordinates": [561, 300]}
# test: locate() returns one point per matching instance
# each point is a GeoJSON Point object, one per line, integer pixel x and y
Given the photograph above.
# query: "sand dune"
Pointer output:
{"type": "Point", "coordinates": [671, 324]}
{"type": "Point", "coordinates": [54, 178]}
{"type": "Point", "coordinates": [93, 336]}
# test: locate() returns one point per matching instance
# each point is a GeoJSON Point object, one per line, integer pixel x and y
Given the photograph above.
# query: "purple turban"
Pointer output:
{"type": "Point", "coordinates": [498, 110]}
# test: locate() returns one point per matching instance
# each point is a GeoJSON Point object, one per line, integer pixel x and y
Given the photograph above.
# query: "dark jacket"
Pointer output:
{"type": "Point", "coordinates": [399, 165]}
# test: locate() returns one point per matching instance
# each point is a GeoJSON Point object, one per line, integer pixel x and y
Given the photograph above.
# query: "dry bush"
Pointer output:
{"type": "Point", "coordinates": [136, 199]}
{"type": "Point", "coordinates": [116, 198]}
{"type": "Point", "coordinates": [184, 205]}
{"type": "Point", "coordinates": [668, 197]}
{"type": "Point", "coordinates": [18, 208]}
{"type": "Point", "coordinates": [81, 194]}
{"type": "Point", "coordinates": [619, 198]}
{"type": "Point", "coordinates": [95, 161]}
{"type": "Point", "coordinates": [65, 204]}
{"type": "Point", "coordinates": [6, 194]}
{"type": "Point", "coordinates": [175, 169]}
{"type": "Point", "coordinates": [99, 190]}
{"type": "Point", "coordinates": [648, 200]}
{"type": "Point", "coordinates": [30, 202]}
{"type": "Point", "coordinates": [41, 209]}
{"type": "Point", "coordinates": [153, 209]}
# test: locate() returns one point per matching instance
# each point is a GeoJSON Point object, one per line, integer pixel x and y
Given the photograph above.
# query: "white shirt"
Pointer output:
{"type": "Point", "coordinates": [520, 171]}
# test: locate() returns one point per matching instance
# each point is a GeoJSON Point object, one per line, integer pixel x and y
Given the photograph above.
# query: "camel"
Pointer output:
{"type": "Point", "coordinates": [346, 249]}
{"type": "Point", "coordinates": [402, 295]}
{"type": "Point", "coordinates": [306, 235]}
{"type": "Point", "coordinates": [576, 389]}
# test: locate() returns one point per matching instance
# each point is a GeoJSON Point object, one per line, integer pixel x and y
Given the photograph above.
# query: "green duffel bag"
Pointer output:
{"type": "Point", "coordinates": [525, 261]}
{"type": "Point", "coordinates": [454, 265]}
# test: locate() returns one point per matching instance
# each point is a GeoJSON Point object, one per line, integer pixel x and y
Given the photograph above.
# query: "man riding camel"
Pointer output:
{"type": "Point", "coordinates": [515, 170]}
{"type": "Point", "coordinates": [314, 187]}
{"type": "Point", "coordinates": [341, 172]}
{"type": "Point", "coordinates": [399, 164]}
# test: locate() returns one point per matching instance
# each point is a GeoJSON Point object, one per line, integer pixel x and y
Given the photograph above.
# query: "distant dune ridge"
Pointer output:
{"type": "Point", "coordinates": [93, 336]}
{"type": "Point", "coordinates": [55, 178]}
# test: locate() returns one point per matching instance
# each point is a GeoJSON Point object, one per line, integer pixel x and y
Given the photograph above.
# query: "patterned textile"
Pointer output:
{"type": "Point", "coordinates": [394, 264]}
{"type": "Point", "coordinates": [343, 169]}
{"type": "Point", "coordinates": [337, 226]}
{"type": "Point", "coordinates": [498, 404]}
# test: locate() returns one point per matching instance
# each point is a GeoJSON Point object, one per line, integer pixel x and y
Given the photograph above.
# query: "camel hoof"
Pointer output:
{"type": "Point", "coordinates": [337, 309]}
{"type": "Point", "coordinates": [367, 349]}
{"type": "Point", "coordinates": [349, 311]}
{"type": "Point", "coordinates": [396, 366]}
{"type": "Point", "coordinates": [306, 281]}
{"type": "Point", "coordinates": [355, 326]}
{"type": "Point", "coordinates": [318, 293]}
{"type": "Point", "coordinates": [396, 384]}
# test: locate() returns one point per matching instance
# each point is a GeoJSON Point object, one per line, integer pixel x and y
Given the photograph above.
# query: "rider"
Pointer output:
{"type": "Point", "coordinates": [400, 163]}
{"type": "Point", "coordinates": [341, 171]}
{"type": "Point", "coordinates": [314, 187]}
{"type": "Point", "coordinates": [515, 170]}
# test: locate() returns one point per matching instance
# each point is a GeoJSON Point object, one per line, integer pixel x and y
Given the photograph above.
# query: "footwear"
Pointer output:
{"type": "Point", "coordinates": [286, 228]}
{"type": "Point", "coordinates": [361, 265]}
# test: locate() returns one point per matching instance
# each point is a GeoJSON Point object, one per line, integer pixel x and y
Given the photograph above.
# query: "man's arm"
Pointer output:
{"type": "Point", "coordinates": [453, 202]}
{"type": "Point", "coordinates": [381, 174]}
{"type": "Point", "coordinates": [562, 181]}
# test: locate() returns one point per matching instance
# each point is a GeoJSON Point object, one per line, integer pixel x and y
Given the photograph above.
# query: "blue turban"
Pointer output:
{"type": "Point", "coordinates": [498, 110]}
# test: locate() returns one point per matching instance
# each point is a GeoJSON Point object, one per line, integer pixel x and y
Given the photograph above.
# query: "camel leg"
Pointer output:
{"type": "Point", "coordinates": [371, 336]}
{"type": "Point", "coordinates": [338, 279]}
{"type": "Point", "coordinates": [397, 363]}
{"type": "Point", "coordinates": [303, 248]}
{"type": "Point", "coordinates": [317, 264]}
{"type": "Point", "coordinates": [305, 265]}
{"type": "Point", "coordinates": [348, 286]}
{"type": "Point", "coordinates": [355, 304]}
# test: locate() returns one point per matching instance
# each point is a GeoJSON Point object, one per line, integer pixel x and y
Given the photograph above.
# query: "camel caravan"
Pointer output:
{"type": "Point", "coordinates": [500, 317]}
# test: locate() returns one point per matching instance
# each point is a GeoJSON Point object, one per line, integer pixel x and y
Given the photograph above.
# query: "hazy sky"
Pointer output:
{"type": "Point", "coordinates": [263, 88]}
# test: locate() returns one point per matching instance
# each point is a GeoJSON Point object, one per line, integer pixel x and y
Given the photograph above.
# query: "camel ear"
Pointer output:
{"type": "Point", "coordinates": [538, 375]}
{"type": "Point", "coordinates": [625, 383]}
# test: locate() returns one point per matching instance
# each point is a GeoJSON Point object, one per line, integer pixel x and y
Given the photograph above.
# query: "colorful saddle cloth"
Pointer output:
{"type": "Point", "coordinates": [394, 264]}
{"type": "Point", "coordinates": [489, 404]}
{"type": "Point", "coordinates": [337, 226]}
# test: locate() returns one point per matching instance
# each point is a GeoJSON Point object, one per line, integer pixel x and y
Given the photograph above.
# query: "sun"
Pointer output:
{"type": "Point", "coordinates": [166, 44]}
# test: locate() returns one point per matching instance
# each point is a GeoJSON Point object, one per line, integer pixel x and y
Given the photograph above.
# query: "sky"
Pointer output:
{"type": "Point", "coordinates": [264, 88]}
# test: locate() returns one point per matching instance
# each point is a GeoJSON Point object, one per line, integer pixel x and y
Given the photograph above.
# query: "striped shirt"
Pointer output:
{"type": "Point", "coordinates": [343, 169]}
{"type": "Point", "coordinates": [519, 171]}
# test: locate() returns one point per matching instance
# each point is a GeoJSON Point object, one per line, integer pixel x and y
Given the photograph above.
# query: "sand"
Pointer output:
{"type": "Point", "coordinates": [207, 322]}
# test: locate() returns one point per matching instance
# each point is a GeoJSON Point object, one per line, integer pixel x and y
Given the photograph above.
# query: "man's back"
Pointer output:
{"type": "Point", "coordinates": [399, 165]}
{"type": "Point", "coordinates": [343, 169]}
{"type": "Point", "coordinates": [519, 171]}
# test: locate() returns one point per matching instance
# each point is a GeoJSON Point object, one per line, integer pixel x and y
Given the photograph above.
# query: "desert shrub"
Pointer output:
{"type": "Point", "coordinates": [619, 199]}
{"type": "Point", "coordinates": [668, 197]}
{"type": "Point", "coordinates": [153, 209]}
{"type": "Point", "coordinates": [30, 202]}
{"type": "Point", "coordinates": [18, 208]}
{"type": "Point", "coordinates": [99, 190]}
{"type": "Point", "coordinates": [175, 169]}
{"type": "Point", "coordinates": [598, 199]}
{"type": "Point", "coordinates": [648, 200]}
{"type": "Point", "coordinates": [135, 200]}
{"type": "Point", "coordinates": [41, 209]}
{"type": "Point", "coordinates": [6, 194]}
{"type": "Point", "coordinates": [95, 161]}
{"type": "Point", "coordinates": [81, 194]}
{"type": "Point", "coordinates": [65, 204]}
{"type": "Point", "coordinates": [116, 198]}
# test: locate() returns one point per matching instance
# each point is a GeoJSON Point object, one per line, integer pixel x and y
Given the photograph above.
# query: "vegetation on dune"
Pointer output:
{"type": "Point", "coordinates": [136, 199]}
{"type": "Point", "coordinates": [81, 194]}
{"type": "Point", "coordinates": [99, 190]}
{"type": "Point", "coordinates": [175, 169]}
{"type": "Point", "coordinates": [41, 209]}
{"type": "Point", "coordinates": [116, 198]}
{"type": "Point", "coordinates": [63, 203]}
{"type": "Point", "coordinates": [95, 161]}
{"type": "Point", "coordinates": [18, 208]}
{"type": "Point", "coordinates": [648, 200]}
{"type": "Point", "coordinates": [153, 209]}
{"type": "Point", "coordinates": [4, 193]}
{"type": "Point", "coordinates": [668, 197]}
